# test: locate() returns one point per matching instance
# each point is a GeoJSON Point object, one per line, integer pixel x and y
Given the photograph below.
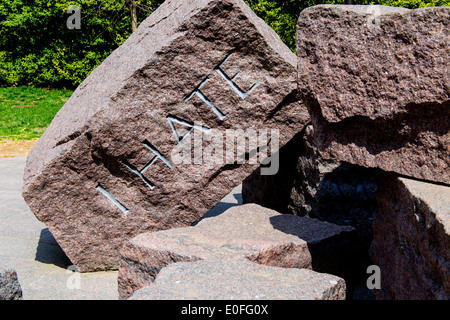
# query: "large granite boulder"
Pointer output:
{"type": "Point", "coordinates": [259, 234]}
{"type": "Point", "coordinates": [240, 279]}
{"type": "Point", "coordinates": [108, 167]}
{"type": "Point", "coordinates": [376, 82]}
{"type": "Point", "coordinates": [411, 243]}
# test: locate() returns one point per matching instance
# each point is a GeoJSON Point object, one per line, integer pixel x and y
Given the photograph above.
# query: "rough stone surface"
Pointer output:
{"type": "Point", "coordinates": [9, 285]}
{"type": "Point", "coordinates": [169, 75]}
{"type": "Point", "coordinates": [376, 82]}
{"type": "Point", "coordinates": [259, 234]}
{"type": "Point", "coordinates": [240, 279]}
{"type": "Point", "coordinates": [308, 185]}
{"type": "Point", "coordinates": [411, 242]}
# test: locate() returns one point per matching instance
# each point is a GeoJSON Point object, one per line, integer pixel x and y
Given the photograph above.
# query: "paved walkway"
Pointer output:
{"type": "Point", "coordinates": [27, 246]}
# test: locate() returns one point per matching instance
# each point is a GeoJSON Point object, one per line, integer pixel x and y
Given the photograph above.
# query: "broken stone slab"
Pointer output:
{"type": "Point", "coordinates": [116, 160]}
{"type": "Point", "coordinates": [9, 285]}
{"type": "Point", "coordinates": [240, 279]}
{"type": "Point", "coordinates": [411, 244]}
{"type": "Point", "coordinates": [376, 82]}
{"type": "Point", "coordinates": [261, 235]}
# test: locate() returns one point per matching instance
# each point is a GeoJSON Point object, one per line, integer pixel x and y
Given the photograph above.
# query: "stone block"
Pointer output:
{"type": "Point", "coordinates": [240, 279]}
{"type": "Point", "coordinates": [9, 285]}
{"type": "Point", "coordinates": [259, 234]}
{"type": "Point", "coordinates": [376, 82]}
{"type": "Point", "coordinates": [411, 242]}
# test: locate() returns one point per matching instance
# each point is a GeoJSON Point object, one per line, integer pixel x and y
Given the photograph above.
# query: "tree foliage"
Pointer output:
{"type": "Point", "coordinates": [37, 48]}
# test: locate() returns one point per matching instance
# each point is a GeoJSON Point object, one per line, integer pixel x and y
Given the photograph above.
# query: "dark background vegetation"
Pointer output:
{"type": "Point", "coordinates": [37, 49]}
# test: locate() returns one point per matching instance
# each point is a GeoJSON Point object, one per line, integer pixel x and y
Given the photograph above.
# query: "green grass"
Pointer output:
{"type": "Point", "coordinates": [26, 112]}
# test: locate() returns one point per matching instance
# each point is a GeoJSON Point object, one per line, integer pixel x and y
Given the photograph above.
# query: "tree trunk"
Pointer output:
{"type": "Point", "coordinates": [133, 15]}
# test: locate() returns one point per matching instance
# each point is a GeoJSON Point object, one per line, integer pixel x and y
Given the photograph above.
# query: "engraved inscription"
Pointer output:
{"type": "Point", "coordinates": [157, 156]}
{"type": "Point", "coordinates": [173, 120]}
{"type": "Point", "coordinates": [208, 102]}
{"type": "Point", "coordinates": [112, 199]}
{"type": "Point", "coordinates": [231, 82]}
{"type": "Point", "coordinates": [190, 125]}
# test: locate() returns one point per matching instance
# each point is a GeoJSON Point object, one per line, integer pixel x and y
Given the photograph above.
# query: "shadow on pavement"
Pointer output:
{"type": "Point", "coordinates": [48, 251]}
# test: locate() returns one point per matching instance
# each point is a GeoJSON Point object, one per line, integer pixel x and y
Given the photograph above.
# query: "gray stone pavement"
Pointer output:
{"type": "Point", "coordinates": [28, 247]}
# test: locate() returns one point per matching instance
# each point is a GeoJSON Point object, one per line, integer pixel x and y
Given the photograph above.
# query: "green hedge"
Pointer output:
{"type": "Point", "coordinates": [37, 48]}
